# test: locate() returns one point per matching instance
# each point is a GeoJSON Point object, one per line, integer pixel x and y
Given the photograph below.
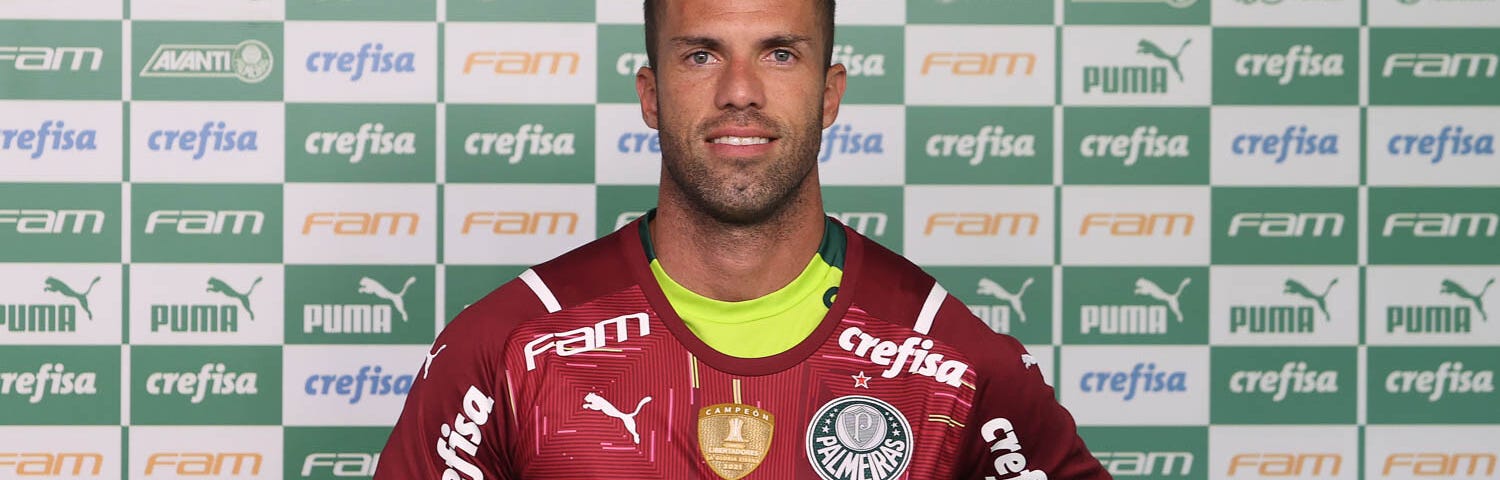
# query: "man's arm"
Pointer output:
{"type": "Point", "coordinates": [1018, 430]}
{"type": "Point", "coordinates": [457, 415]}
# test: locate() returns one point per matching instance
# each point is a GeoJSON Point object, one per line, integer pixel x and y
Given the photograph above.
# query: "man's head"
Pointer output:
{"type": "Point", "coordinates": [740, 91]}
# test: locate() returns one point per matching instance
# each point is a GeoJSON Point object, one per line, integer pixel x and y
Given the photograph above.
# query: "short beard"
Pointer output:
{"type": "Point", "coordinates": [762, 201]}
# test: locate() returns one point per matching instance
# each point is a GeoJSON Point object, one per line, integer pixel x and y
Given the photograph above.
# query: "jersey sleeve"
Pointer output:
{"type": "Point", "coordinates": [1019, 430]}
{"type": "Point", "coordinates": [456, 421]}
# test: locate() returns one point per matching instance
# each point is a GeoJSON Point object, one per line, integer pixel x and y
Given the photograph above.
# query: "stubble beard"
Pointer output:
{"type": "Point", "coordinates": [732, 201]}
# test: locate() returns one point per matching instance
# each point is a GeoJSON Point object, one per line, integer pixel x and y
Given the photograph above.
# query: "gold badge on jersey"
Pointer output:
{"type": "Point", "coordinates": [734, 438]}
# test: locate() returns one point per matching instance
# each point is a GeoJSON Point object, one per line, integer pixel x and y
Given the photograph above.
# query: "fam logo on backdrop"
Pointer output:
{"type": "Point", "coordinates": [1281, 225]}
{"type": "Point", "coordinates": [362, 224]}
{"type": "Point", "coordinates": [1135, 225]}
{"type": "Point", "coordinates": [1429, 66]}
{"type": "Point", "coordinates": [537, 222]}
{"type": "Point", "coordinates": [965, 65]}
{"type": "Point", "coordinates": [1434, 226]}
{"type": "Point", "coordinates": [947, 226]}
{"type": "Point", "coordinates": [60, 222]}
{"type": "Point", "coordinates": [520, 63]}
{"type": "Point", "coordinates": [207, 223]}
{"type": "Point", "coordinates": [200, 451]}
{"type": "Point", "coordinates": [327, 453]}
{"type": "Point", "coordinates": [1153, 452]}
{"type": "Point", "coordinates": [59, 60]}
{"type": "Point", "coordinates": [1252, 451]}
{"type": "Point", "coordinates": [1137, 66]}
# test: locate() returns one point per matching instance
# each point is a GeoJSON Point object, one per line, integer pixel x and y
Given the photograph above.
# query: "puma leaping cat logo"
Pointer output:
{"type": "Point", "coordinates": [989, 287]}
{"type": "Point", "coordinates": [1453, 288]}
{"type": "Point", "coordinates": [370, 286]}
{"type": "Point", "coordinates": [1149, 288]}
{"type": "Point", "coordinates": [427, 365]}
{"type": "Point", "coordinates": [1297, 288]}
{"type": "Point", "coordinates": [1147, 47]}
{"type": "Point", "coordinates": [218, 286]}
{"type": "Point", "coordinates": [593, 401]}
{"type": "Point", "coordinates": [55, 285]}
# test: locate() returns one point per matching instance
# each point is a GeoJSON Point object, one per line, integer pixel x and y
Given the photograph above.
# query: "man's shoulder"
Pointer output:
{"type": "Point", "coordinates": [897, 291]}
{"type": "Point", "coordinates": [590, 271]}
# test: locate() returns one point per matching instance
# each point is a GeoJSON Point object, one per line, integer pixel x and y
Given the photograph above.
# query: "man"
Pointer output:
{"type": "Point", "coordinates": [735, 331]}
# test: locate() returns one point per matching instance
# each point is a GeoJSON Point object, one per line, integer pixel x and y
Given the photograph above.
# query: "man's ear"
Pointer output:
{"type": "Point", "coordinates": [833, 92]}
{"type": "Point", "coordinates": [645, 88]}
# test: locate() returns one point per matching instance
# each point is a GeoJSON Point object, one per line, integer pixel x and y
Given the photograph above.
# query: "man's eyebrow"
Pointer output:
{"type": "Point", "coordinates": [785, 40]}
{"type": "Point", "coordinates": [711, 43]}
{"type": "Point", "coordinates": [697, 41]}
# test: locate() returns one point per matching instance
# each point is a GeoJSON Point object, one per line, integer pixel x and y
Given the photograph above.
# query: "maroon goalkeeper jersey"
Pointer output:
{"type": "Point", "coordinates": [579, 369]}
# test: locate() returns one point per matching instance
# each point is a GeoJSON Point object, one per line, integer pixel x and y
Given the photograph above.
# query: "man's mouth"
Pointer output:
{"type": "Point", "coordinates": [739, 141]}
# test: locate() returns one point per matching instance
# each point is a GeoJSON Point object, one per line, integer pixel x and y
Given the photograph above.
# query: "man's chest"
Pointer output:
{"type": "Point", "coordinates": [640, 405]}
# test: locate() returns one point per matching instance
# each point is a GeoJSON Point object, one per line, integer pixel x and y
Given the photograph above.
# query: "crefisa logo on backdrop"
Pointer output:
{"type": "Point", "coordinates": [369, 59]}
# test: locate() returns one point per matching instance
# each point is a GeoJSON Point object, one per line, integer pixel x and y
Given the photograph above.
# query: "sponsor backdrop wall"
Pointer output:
{"type": "Point", "coordinates": [1244, 237]}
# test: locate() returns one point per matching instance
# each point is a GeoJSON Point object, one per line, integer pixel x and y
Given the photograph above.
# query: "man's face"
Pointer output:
{"type": "Point", "coordinates": [740, 95]}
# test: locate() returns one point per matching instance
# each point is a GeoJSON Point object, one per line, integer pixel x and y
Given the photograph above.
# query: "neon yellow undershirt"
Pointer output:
{"type": "Point", "coordinates": [765, 326]}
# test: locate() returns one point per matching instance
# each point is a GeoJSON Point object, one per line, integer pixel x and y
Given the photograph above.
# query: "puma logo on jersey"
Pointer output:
{"type": "Point", "coordinates": [427, 365]}
{"type": "Point", "coordinates": [370, 286]}
{"type": "Point", "coordinates": [1028, 360]}
{"type": "Point", "coordinates": [592, 401]}
{"type": "Point", "coordinates": [1151, 289]}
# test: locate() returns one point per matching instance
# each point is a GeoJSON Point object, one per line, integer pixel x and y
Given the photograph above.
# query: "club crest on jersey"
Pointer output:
{"type": "Point", "coordinates": [734, 438]}
{"type": "Point", "coordinates": [856, 437]}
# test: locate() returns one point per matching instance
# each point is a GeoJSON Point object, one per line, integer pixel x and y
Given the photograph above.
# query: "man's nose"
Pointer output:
{"type": "Point", "coordinates": [740, 86]}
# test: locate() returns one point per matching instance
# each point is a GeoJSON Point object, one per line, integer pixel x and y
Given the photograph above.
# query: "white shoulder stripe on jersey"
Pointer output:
{"type": "Point", "coordinates": [540, 289]}
{"type": "Point", "coordinates": [930, 308]}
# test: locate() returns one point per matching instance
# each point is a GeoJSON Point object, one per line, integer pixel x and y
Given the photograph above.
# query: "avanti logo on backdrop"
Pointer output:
{"type": "Point", "coordinates": [369, 138]}
{"type": "Point", "coordinates": [1284, 318]}
{"type": "Point", "coordinates": [544, 63]}
{"type": "Point", "coordinates": [250, 61]}
{"type": "Point", "coordinates": [51, 134]}
{"type": "Point", "coordinates": [1298, 61]}
{"type": "Point", "coordinates": [56, 317]}
{"type": "Point", "coordinates": [1150, 77]}
{"type": "Point", "coordinates": [1294, 141]}
{"type": "Point", "coordinates": [1451, 141]}
{"type": "Point", "coordinates": [370, 58]}
{"type": "Point", "coordinates": [353, 386]}
{"type": "Point", "coordinates": [1143, 379]}
{"type": "Point", "coordinates": [211, 137]}
{"type": "Point", "coordinates": [1435, 318]}
{"type": "Point", "coordinates": [42, 58]}
{"type": "Point", "coordinates": [206, 317]}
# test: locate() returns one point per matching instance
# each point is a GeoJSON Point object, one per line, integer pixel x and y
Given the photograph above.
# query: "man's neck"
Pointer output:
{"type": "Point", "coordinates": [737, 262]}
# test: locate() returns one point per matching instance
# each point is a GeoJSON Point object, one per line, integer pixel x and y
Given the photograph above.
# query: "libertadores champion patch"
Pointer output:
{"type": "Point", "coordinates": [734, 438]}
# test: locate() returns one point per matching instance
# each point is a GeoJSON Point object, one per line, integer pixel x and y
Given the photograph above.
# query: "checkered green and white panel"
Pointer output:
{"type": "Point", "coordinates": [1245, 238]}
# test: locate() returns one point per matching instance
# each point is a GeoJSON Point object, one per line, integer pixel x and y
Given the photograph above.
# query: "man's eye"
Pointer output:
{"type": "Point", "coordinates": [782, 56]}
{"type": "Point", "coordinates": [700, 58]}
